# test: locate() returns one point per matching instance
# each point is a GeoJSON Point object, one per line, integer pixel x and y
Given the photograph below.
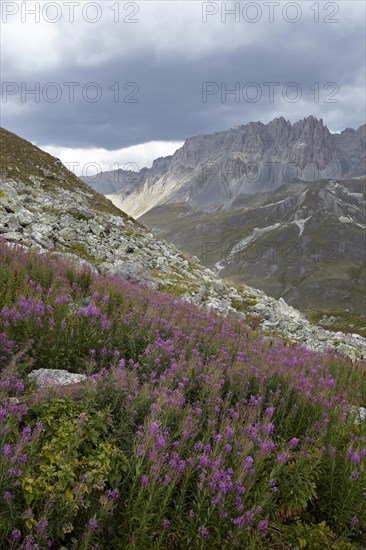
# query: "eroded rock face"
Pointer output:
{"type": "Point", "coordinates": [45, 378]}
{"type": "Point", "coordinates": [212, 171]}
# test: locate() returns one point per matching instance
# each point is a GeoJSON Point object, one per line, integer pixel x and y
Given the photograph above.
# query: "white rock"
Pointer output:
{"type": "Point", "coordinates": [45, 378]}
{"type": "Point", "coordinates": [360, 414]}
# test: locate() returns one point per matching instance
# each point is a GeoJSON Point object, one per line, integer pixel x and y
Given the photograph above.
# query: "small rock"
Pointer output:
{"type": "Point", "coordinates": [45, 378]}
{"type": "Point", "coordinates": [48, 174]}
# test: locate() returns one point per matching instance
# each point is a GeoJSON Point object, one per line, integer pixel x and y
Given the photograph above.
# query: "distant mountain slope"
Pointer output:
{"type": "Point", "coordinates": [303, 242]}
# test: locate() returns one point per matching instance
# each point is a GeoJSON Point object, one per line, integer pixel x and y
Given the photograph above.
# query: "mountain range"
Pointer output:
{"type": "Point", "coordinates": [217, 172]}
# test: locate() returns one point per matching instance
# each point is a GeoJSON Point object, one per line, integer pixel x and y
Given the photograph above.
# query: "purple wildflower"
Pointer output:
{"type": "Point", "coordinates": [16, 535]}
{"type": "Point", "coordinates": [273, 484]}
{"type": "Point", "coordinates": [144, 480]}
{"type": "Point", "coordinates": [93, 525]}
{"type": "Point", "coordinates": [244, 520]}
{"type": "Point", "coordinates": [27, 433]}
{"type": "Point", "coordinates": [7, 449]}
{"type": "Point", "coordinates": [41, 527]}
{"type": "Point", "coordinates": [268, 428]}
{"type": "Point", "coordinates": [332, 451]}
{"type": "Point", "coordinates": [160, 442]}
{"type": "Point", "coordinates": [29, 543]}
{"type": "Point", "coordinates": [61, 300]}
{"type": "Point", "coordinates": [263, 526]}
{"type": "Point", "coordinates": [269, 412]}
{"type": "Point", "coordinates": [355, 457]}
{"type": "Point", "coordinates": [267, 446]}
{"type": "Point", "coordinates": [154, 428]}
{"type": "Point", "coordinates": [15, 473]}
{"type": "Point", "coordinates": [355, 522]}
{"type": "Point", "coordinates": [248, 462]}
{"type": "Point", "coordinates": [283, 457]}
{"type": "Point", "coordinates": [113, 494]}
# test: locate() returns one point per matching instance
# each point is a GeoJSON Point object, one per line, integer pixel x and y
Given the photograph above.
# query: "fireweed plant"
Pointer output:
{"type": "Point", "coordinates": [192, 431]}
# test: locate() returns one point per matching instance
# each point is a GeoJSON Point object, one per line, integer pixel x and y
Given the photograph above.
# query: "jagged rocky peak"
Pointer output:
{"type": "Point", "coordinates": [265, 156]}
{"type": "Point", "coordinates": [310, 128]}
{"type": "Point", "coordinates": [279, 127]}
{"type": "Point", "coordinates": [161, 162]}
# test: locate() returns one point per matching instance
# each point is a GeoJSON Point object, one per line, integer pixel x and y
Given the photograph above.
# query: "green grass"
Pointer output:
{"type": "Point", "coordinates": [243, 304]}
{"type": "Point", "coordinates": [81, 250]}
{"type": "Point", "coordinates": [345, 321]}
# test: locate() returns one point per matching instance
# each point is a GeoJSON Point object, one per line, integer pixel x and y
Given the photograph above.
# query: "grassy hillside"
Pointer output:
{"type": "Point", "coordinates": [192, 430]}
{"type": "Point", "coordinates": [20, 160]}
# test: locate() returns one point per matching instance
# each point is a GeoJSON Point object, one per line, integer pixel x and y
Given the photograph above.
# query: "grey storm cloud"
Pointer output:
{"type": "Point", "coordinates": [160, 65]}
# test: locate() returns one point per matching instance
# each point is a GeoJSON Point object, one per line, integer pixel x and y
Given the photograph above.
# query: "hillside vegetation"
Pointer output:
{"type": "Point", "coordinates": [23, 162]}
{"type": "Point", "coordinates": [192, 429]}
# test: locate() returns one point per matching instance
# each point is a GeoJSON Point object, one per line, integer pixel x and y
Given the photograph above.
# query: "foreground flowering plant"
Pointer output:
{"type": "Point", "coordinates": [193, 430]}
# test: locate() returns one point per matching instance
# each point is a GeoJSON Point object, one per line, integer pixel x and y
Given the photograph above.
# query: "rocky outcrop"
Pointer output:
{"type": "Point", "coordinates": [64, 223]}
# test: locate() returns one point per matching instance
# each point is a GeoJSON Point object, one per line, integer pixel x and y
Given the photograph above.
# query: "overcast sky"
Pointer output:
{"type": "Point", "coordinates": [125, 82]}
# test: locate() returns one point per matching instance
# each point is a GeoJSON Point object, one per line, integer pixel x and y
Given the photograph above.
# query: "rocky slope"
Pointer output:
{"type": "Point", "coordinates": [303, 242]}
{"type": "Point", "coordinates": [214, 172]}
{"type": "Point", "coordinates": [45, 207]}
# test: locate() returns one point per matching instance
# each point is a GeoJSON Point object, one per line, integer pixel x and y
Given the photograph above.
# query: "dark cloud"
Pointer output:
{"type": "Point", "coordinates": [168, 66]}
